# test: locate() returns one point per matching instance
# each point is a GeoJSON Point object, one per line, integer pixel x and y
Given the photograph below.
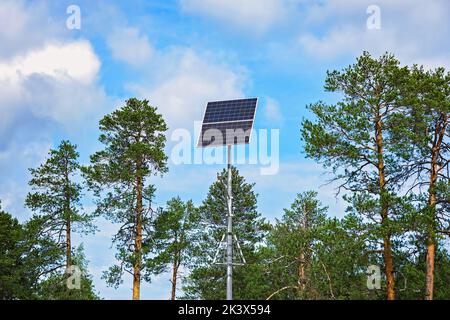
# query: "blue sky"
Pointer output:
{"type": "Point", "coordinates": [56, 83]}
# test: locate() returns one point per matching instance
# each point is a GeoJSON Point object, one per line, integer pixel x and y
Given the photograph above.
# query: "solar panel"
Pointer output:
{"type": "Point", "coordinates": [227, 122]}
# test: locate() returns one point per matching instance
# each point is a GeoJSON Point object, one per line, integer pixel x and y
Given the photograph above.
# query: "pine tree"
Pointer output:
{"type": "Point", "coordinates": [56, 197]}
{"type": "Point", "coordinates": [352, 138]}
{"type": "Point", "coordinates": [422, 138]}
{"type": "Point", "coordinates": [55, 286]}
{"type": "Point", "coordinates": [31, 261]}
{"type": "Point", "coordinates": [311, 256]}
{"type": "Point", "coordinates": [173, 238]}
{"type": "Point", "coordinates": [134, 142]}
{"type": "Point", "coordinates": [13, 284]}
{"type": "Point", "coordinates": [292, 238]}
{"type": "Point", "coordinates": [207, 280]}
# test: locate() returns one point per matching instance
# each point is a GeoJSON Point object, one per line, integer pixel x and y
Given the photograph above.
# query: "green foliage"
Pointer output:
{"type": "Point", "coordinates": [354, 138]}
{"type": "Point", "coordinates": [56, 197]}
{"type": "Point", "coordinates": [134, 140]}
{"type": "Point", "coordinates": [43, 255]}
{"type": "Point", "coordinates": [208, 281]}
{"type": "Point", "coordinates": [31, 263]}
{"type": "Point", "coordinates": [381, 142]}
{"type": "Point", "coordinates": [310, 256]}
{"type": "Point", "coordinates": [422, 135]}
{"type": "Point", "coordinates": [131, 134]}
{"type": "Point", "coordinates": [386, 142]}
{"type": "Point", "coordinates": [55, 286]}
{"type": "Point", "coordinates": [13, 283]}
{"type": "Point", "coordinates": [343, 135]}
{"type": "Point", "coordinates": [174, 237]}
{"type": "Point", "coordinates": [411, 268]}
{"type": "Point", "coordinates": [291, 241]}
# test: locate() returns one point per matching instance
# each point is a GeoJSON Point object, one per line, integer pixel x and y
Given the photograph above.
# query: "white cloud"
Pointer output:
{"type": "Point", "coordinates": [272, 111]}
{"type": "Point", "coordinates": [54, 81]}
{"type": "Point", "coordinates": [48, 86]}
{"type": "Point", "coordinates": [177, 80]}
{"type": "Point", "coordinates": [129, 45]}
{"type": "Point", "coordinates": [75, 60]}
{"type": "Point", "coordinates": [67, 103]}
{"type": "Point", "coordinates": [42, 76]}
{"type": "Point", "coordinates": [255, 15]}
{"type": "Point", "coordinates": [24, 25]}
{"type": "Point", "coordinates": [13, 189]}
{"type": "Point", "coordinates": [186, 81]}
{"type": "Point", "coordinates": [348, 39]}
{"type": "Point", "coordinates": [57, 82]}
{"type": "Point", "coordinates": [416, 32]}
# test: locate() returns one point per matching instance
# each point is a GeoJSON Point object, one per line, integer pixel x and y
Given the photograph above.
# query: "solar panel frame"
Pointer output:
{"type": "Point", "coordinates": [248, 102]}
{"type": "Point", "coordinates": [226, 130]}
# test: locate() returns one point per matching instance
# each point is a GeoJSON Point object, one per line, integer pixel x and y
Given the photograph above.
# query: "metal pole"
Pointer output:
{"type": "Point", "coordinates": [229, 233]}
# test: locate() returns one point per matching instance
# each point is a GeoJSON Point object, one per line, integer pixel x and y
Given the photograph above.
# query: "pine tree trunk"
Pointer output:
{"type": "Point", "coordinates": [431, 243]}
{"type": "Point", "coordinates": [302, 275]}
{"type": "Point", "coordinates": [138, 238]}
{"type": "Point", "coordinates": [68, 218]}
{"type": "Point", "coordinates": [174, 278]}
{"type": "Point", "coordinates": [68, 245]}
{"type": "Point", "coordinates": [389, 268]}
{"type": "Point", "coordinates": [431, 246]}
{"type": "Point", "coordinates": [303, 258]}
{"type": "Point", "coordinates": [387, 248]}
{"type": "Point", "coordinates": [68, 250]}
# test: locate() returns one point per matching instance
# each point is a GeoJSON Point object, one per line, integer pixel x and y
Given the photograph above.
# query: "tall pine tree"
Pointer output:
{"type": "Point", "coordinates": [353, 140]}
{"type": "Point", "coordinates": [134, 140]}
{"type": "Point", "coordinates": [56, 197]}
{"type": "Point", "coordinates": [422, 136]}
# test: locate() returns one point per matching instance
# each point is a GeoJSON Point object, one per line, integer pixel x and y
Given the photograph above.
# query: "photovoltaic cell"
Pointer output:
{"type": "Point", "coordinates": [231, 110]}
{"type": "Point", "coordinates": [227, 122]}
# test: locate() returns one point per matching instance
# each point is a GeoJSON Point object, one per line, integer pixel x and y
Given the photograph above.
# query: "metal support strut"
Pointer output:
{"type": "Point", "coordinates": [229, 232]}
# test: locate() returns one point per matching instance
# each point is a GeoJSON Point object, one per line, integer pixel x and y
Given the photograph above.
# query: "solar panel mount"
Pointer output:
{"type": "Point", "coordinates": [228, 123]}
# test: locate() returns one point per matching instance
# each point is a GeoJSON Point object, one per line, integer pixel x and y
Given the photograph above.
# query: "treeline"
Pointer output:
{"type": "Point", "coordinates": [386, 144]}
